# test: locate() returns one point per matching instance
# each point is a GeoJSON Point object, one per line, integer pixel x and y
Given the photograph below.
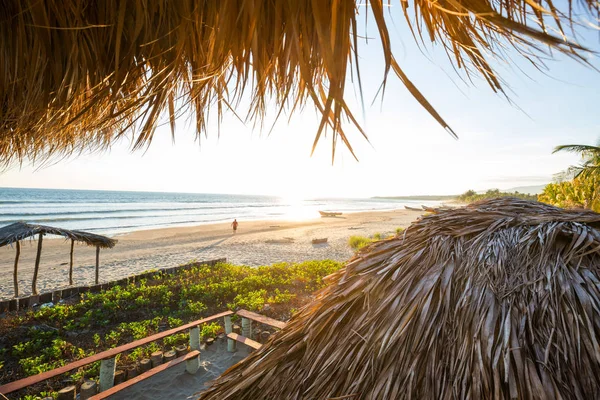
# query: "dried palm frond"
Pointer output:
{"type": "Point", "coordinates": [77, 74]}
{"type": "Point", "coordinates": [500, 299]}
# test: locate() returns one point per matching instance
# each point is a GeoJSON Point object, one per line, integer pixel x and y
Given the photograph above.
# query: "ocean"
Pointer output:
{"type": "Point", "coordinates": [117, 212]}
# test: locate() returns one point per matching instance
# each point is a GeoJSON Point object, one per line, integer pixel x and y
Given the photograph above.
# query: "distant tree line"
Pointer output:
{"type": "Point", "coordinates": [470, 195]}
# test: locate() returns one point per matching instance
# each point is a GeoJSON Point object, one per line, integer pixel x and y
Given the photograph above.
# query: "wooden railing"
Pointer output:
{"type": "Point", "coordinates": [108, 355]}
{"type": "Point", "coordinates": [107, 358]}
{"type": "Point", "coordinates": [246, 336]}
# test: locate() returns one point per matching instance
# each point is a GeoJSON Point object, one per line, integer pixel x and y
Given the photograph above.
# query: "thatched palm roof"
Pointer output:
{"type": "Point", "coordinates": [76, 74]}
{"type": "Point", "coordinates": [19, 230]}
{"type": "Point", "coordinates": [500, 299]}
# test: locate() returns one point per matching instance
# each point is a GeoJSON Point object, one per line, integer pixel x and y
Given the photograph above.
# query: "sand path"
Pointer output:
{"type": "Point", "coordinates": [162, 248]}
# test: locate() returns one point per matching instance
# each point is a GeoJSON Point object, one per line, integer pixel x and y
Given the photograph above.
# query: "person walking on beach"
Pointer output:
{"type": "Point", "coordinates": [234, 224]}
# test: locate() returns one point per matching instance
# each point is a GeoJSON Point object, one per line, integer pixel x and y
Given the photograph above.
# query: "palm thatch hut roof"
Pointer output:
{"type": "Point", "coordinates": [500, 299]}
{"type": "Point", "coordinates": [12, 233]}
{"type": "Point", "coordinates": [78, 74]}
{"type": "Point", "coordinates": [18, 231]}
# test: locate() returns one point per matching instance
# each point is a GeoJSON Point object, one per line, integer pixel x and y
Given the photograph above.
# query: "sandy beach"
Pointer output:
{"type": "Point", "coordinates": [255, 243]}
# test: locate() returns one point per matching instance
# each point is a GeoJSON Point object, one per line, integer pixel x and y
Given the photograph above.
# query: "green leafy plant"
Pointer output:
{"type": "Point", "coordinates": [253, 301]}
{"type": "Point", "coordinates": [358, 242]}
{"type": "Point", "coordinates": [210, 330]}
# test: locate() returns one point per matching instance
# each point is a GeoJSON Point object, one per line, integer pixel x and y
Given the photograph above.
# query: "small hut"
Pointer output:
{"type": "Point", "coordinates": [18, 231]}
{"type": "Point", "coordinates": [500, 299]}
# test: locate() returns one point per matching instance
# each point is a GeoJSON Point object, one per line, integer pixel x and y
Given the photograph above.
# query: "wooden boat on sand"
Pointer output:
{"type": "Point", "coordinates": [413, 208]}
{"type": "Point", "coordinates": [329, 214]}
{"type": "Point", "coordinates": [319, 241]}
{"type": "Point", "coordinates": [436, 209]}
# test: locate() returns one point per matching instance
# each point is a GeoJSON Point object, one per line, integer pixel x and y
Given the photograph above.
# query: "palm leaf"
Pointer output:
{"type": "Point", "coordinates": [577, 148]}
{"type": "Point", "coordinates": [76, 75]}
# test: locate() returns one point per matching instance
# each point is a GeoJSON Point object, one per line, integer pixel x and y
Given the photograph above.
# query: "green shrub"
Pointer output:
{"type": "Point", "coordinates": [358, 242]}
{"type": "Point", "coordinates": [39, 355]}
{"type": "Point", "coordinates": [196, 307]}
{"type": "Point", "coordinates": [253, 301]}
{"type": "Point", "coordinates": [210, 330]}
{"type": "Point", "coordinates": [176, 340]}
{"type": "Point", "coordinates": [279, 297]}
{"type": "Point", "coordinates": [40, 396]}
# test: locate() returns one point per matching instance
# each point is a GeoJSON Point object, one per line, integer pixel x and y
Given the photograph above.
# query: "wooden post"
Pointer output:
{"type": "Point", "coordinates": [193, 364]}
{"type": "Point", "coordinates": [156, 358]}
{"type": "Point", "coordinates": [15, 275]}
{"type": "Point", "coordinates": [88, 389]}
{"type": "Point", "coordinates": [247, 328]}
{"type": "Point", "coordinates": [132, 372]}
{"type": "Point", "coordinates": [181, 350]}
{"type": "Point", "coordinates": [195, 339]}
{"type": "Point", "coordinates": [71, 263]}
{"type": "Point", "coordinates": [229, 329]}
{"type": "Point", "coordinates": [97, 264]}
{"type": "Point", "coordinates": [145, 365]}
{"type": "Point", "coordinates": [119, 376]}
{"type": "Point", "coordinates": [67, 393]}
{"type": "Point", "coordinates": [37, 265]}
{"type": "Point", "coordinates": [107, 373]}
{"type": "Point", "coordinates": [264, 336]}
{"type": "Point", "coordinates": [170, 355]}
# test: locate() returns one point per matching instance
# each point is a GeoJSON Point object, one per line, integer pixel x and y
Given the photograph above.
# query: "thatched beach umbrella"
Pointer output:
{"type": "Point", "coordinates": [500, 299]}
{"type": "Point", "coordinates": [18, 231]}
{"type": "Point", "coordinates": [77, 74]}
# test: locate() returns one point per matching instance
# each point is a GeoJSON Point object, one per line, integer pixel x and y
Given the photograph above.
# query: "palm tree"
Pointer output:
{"type": "Point", "coordinates": [590, 165]}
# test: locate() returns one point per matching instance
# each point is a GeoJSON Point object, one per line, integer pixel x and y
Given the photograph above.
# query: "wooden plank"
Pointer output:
{"type": "Point", "coordinates": [45, 297]}
{"type": "Point", "coordinates": [32, 380]}
{"type": "Point", "coordinates": [244, 339]}
{"type": "Point", "coordinates": [261, 318]}
{"type": "Point", "coordinates": [145, 375]}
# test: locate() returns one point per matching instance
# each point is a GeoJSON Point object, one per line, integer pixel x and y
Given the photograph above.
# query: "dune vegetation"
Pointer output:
{"type": "Point", "coordinates": [357, 242]}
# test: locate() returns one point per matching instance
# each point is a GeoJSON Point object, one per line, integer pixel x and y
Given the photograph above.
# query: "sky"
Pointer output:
{"type": "Point", "coordinates": [502, 144]}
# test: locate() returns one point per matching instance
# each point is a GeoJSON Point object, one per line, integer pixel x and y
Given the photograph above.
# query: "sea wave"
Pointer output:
{"type": "Point", "coordinates": [131, 210]}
